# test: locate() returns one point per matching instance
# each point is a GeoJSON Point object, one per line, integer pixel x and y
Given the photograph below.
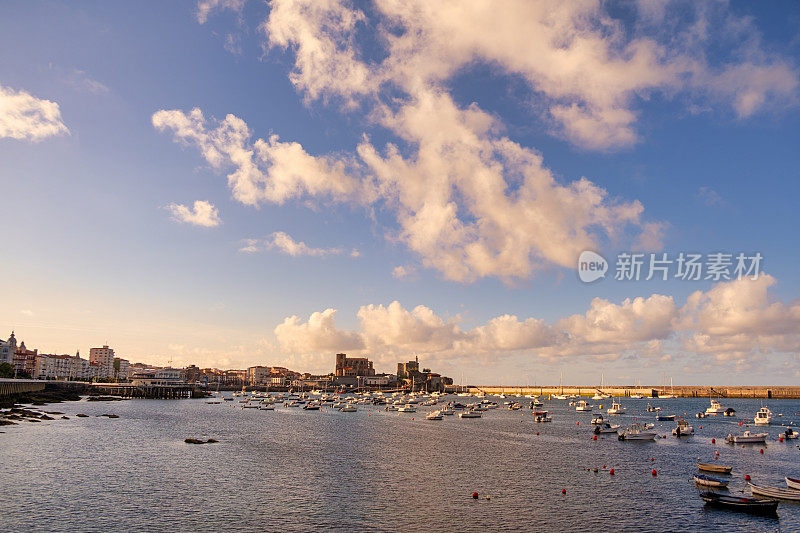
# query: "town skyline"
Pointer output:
{"type": "Point", "coordinates": [232, 183]}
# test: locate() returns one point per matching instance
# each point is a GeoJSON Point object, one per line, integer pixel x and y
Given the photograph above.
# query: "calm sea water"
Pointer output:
{"type": "Point", "coordinates": [295, 470]}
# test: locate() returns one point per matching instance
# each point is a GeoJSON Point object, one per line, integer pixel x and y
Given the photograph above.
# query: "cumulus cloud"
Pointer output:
{"type": "Point", "coordinates": [202, 214]}
{"type": "Point", "coordinates": [284, 243]}
{"type": "Point", "coordinates": [733, 321]}
{"type": "Point", "coordinates": [25, 117]}
{"type": "Point", "coordinates": [465, 198]}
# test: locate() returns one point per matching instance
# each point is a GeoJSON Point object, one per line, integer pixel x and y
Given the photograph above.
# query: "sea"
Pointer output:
{"type": "Point", "coordinates": [373, 470]}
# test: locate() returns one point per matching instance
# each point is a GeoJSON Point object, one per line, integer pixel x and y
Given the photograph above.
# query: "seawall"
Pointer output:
{"type": "Point", "coordinates": [695, 391]}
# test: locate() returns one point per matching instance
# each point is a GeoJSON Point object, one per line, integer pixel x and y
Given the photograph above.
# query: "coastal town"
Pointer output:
{"type": "Point", "coordinates": [104, 366]}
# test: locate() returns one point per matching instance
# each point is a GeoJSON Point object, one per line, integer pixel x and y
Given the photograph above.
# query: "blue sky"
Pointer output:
{"type": "Point", "coordinates": [95, 255]}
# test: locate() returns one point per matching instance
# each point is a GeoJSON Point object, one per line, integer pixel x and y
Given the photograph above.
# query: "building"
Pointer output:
{"type": "Point", "coordinates": [353, 366]}
{"type": "Point", "coordinates": [8, 349]}
{"type": "Point", "coordinates": [121, 369]}
{"type": "Point", "coordinates": [159, 377]}
{"type": "Point", "coordinates": [104, 359]}
{"type": "Point", "coordinates": [426, 380]}
{"type": "Point", "coordinates": [64, 367]}
{"type": "Point", "coordinates": [258, 375]}
{"type": "Point", "coordinates": [25, 360]}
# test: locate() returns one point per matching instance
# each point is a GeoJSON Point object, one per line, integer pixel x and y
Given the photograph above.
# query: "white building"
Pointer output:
{"type": "Point", "coordinates": [258, 375]}
{"type": "Point", "coordinates": [104, 357]}
{"type": "Point", "coordinates": [160, 376]}
{"type": "Point", "coordinates": [66, 367]}
{"type": "Point", "coordinates": [8, 349]}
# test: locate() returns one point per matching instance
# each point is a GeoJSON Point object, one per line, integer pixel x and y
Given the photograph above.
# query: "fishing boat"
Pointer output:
{"type": "Point", "coordinates": [616, 409]}
{"type": "Point", "coordinates": [708, 481]}
{"type": "Point", "coordinates": [683, 429]}
{"type": "Point", "coordinates": [348, 408]}
{"type": "Point", "coordinates": [637, 432]}
{"type": "Point", "coordinates": [598, 419]}
{"type": "Point", "coordinates": [583, 406]}
{"type": "Point", "coordinates": [537, 402]}
{"type": "Point", "coordinates": [663, 417]}
{"type": "Point", "coordinates": [470, 414]}
{"type": "Point", "coordinates": [712, 467]}
{"type": "Point", "coordinates": [433, 415]}
{"type": "Point", "coordinates": [763, 417]}
{"type": "Point", "coordinates": [542, 416]}
{"type": "Point", "coordinates": [407, 408]}
{"type": "Point", "coordinates": [605, 427]}
{"type": "Point", "coordinates": [447, 412]}
{"type": "Point", "coordinates": [739, 503]}
{"type": "Point", "coordinates": [747, 438]}
{"type": "Point", "coordinates": [793, 483]}
{"type": "Point", "coordinates": [715, 408]}
{"type": "Point", "coordinates": [777, 493]}
{"type": "Point", "coordinates": [650, 408]}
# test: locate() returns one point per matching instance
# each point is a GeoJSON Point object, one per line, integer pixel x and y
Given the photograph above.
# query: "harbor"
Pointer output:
{"type": "Point", "coordinates": [335, 454]}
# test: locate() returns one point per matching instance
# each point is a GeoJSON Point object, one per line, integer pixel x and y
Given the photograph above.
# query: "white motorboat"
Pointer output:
{"type": "Point", "coordinates": [598, 419]}
{"type": "Point", "coordinates": [605, 427]}
{"type": "Point", "coordinates": [763, 417]}
{"type": "Point", "coordinates": [433, 415]}
{"type": "Point", "coordinates": [560, 397]}
{"type": "Point", "coordinates": [407, 408]}
{"type": "Point", "coordinates": [447, 411]}
{"type": "Point", "coordinates": [583, 406]}
{"type": "Point", "coordinates": [616, 409]}
{"type": "Point", "coordinates": [348, 408]}
{"type": "Point", "coordinates": [747, 438]}
{"type": "Point", "coordinates": [637, 432]}
{"type": "Point", "coordinates": [598, 396]}
{"type": "Point", "coordinates": [470, 414]}
{"type": "Point", "coordinates": [683, 429]}
{"type": "Point", "coordinates": [715, 408]}
{"type": "Point", "coordinates": [542, 416]}
{"type": "Point", "coordinates": [636, 397]}
{"type": "Point", "coordinates": [537, 402]}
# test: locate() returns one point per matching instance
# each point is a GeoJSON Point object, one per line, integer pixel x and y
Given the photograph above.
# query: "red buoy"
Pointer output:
{"type": "Point", "coordinates": [652, 458]}
{"type": "Point", "coordinates": [713, 441]}
{"type": "Point", "coordinates": [780, 439]}
{"type": "Point", "coordinates": [654, 472]}
{"type": "Point", "coordinates": [761, 450]}
{"type": "Point", "coordinates": [747, 477]}
{"type": "Point", "coordinates": [563, 491]}
{"type": "Point", "coordinates": [604, 466]}
{"type": "Point", "coordinates": [611, 471]}
{"type": "Point", "coordinates": [474, 495]}
{"type": "Point", "coordinates": [594, 437]}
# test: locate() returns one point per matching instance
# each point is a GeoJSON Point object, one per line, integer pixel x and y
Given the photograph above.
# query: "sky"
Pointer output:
{"type": "Point", "coordinates": [231, 183]}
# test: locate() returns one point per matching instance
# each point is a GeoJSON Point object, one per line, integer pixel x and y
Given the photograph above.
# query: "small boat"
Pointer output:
{"type": "Point", "coordinates": [542, 416]}
{"type": "Point", "coordinates": [715, 408]}
{"type": "Point", "coordinates": [777, 493]}
{"type": "Point", "coordinates": [665, 417]}
{"type": "Point", "coordinates": [683, 429]}
{"type": "Point", "coordinates": [407, 408]}
{"type": "Point", "coordinates": [311, 406]}
{"type": "Point", "coordinates": [214, 402]}
{"type": "Point", "coordinates": [537, 402]}
{"type": "Point", "coordinates": [637, 432]}
{"type": "Point", "coordinates": [791, 433]}
{"type": "Point", "coordinates": [433, 415]}
{"type": "Point", "coordinates": [267, 407]}
{"type": "Point", "coordinates": [470, 414]}
{"type": "Point", "coordinates": [447, 412]}
{"type": "Point", "coordinates": [740, 503]}
{"type": "Point", "coordinates": [348, 408]}
{"type": "Point", "coordinates": [598, 419]}
{"type": "Point", "coordinates": [793, 483]}
{"type": "Point", "coordinates": [708, 481]}
{"type": "Point", "coordinates": [763, 417]}
{"type": "Point", "coordinates": [711, 467]}
{"type": "Point", "coordinates": [747, 438]}
{"type": "Point", "coordinates": [583, 406]}
{"type": "Point", "coordinates": [616, 409]}
{"type": "Point", "coordinates": [650, 408]}
{"type": "Point", "coordinates": [730, 411]}
{"type": "Point", "coordinates": [605, 427]}
{"type": "Point", "coordinates": [636, 397]}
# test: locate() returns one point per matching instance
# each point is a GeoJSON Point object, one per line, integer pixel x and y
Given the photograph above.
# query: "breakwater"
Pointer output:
{"type": "Point", "coordinates": [689, 391]}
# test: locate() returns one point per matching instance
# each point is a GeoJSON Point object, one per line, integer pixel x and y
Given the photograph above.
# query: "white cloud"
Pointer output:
{"type": "Point", "coordinates": [25, 117]}
{"type": "Point", "coordinates": [206, 7]}
{"type": "Point", "coordinates": [284, 243]}
{"type": "Point", "coordinates": [202, 214]}
{"type": "Point", "coordinates": [734, 321]}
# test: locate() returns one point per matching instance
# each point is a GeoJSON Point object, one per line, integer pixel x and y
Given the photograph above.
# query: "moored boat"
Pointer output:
{"type": "Point", "coordinates": [740, 503]}
{"type": "Point", "coordinates": [776, 493]}
{"type": "Point", "coordinates": [470, 414]}
{"type": "Point", "coordinates": [605, 427]}
{"type": "Point", "coordinates": [683, 429]}
{"type": "Point", "coordinates": [791, 433]}
{"type": "Point", "coordinates": [663, 417]}
{"type": "Point", "coordinates": [747, 438]}
{"type": "Point", "coordinates": [616, 409]}
{"type": "Point", "coordinates": [637, 432]}
{"type": "Point", "coordinates": [763, 417]}
{"type": "Point", "coordinates": [793, 483]}
{"type": "Point", "coordinates": [583, 406]}
{"type": "Point", "coordinates": [715, 408]}
{"type": "Point", "coordinates": [708, 481]}
{"type": "Point", "coordinates": [598, 419]}
{"type": "Point", "coordinates": [711, 467]}
{"type": "Point", "coordinates": [433, 415]}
